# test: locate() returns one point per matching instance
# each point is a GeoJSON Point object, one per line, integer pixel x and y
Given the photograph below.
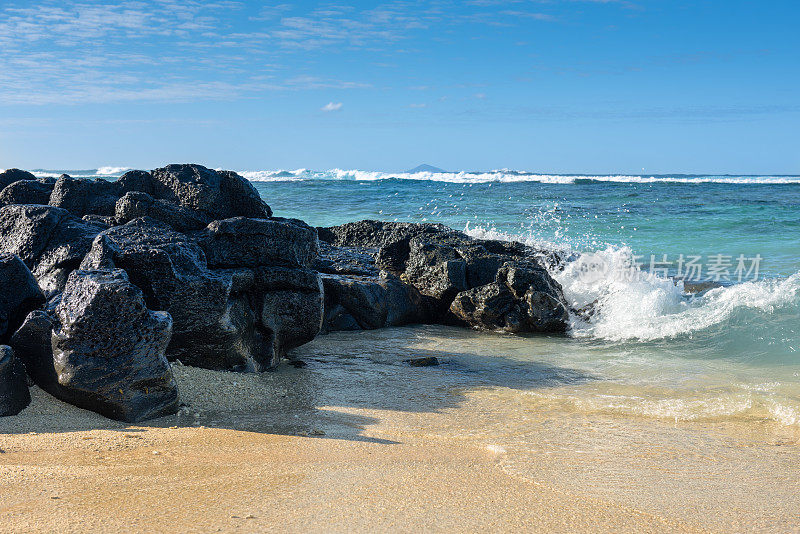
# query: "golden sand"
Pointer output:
{"type": "Point", "coordinates": [359, 441]}
{"type": "Point", "coordinates": [97, 475]}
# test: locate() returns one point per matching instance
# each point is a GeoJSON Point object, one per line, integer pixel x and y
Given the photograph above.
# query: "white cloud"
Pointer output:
{"type": "Point", "coordinates": [99, 51]}
{"type": "Point", "coordinates": [330, 106]}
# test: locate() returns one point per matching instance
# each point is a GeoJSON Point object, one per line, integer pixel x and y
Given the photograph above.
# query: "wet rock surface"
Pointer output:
{"type": "Point", "coordinates": [19, 294]}
{"type": "Point", "coordinates": [493, 285]}
{"type": "Point", "coordinates": [14, 394]}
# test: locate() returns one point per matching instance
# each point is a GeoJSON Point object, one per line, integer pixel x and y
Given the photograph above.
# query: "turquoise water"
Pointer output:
{"type": "Point", "coordinates": [731, 352]}
{"type": "Point", "coordinates": [654, 348]}
{"type": "Point", "coordinates": [651, 218]}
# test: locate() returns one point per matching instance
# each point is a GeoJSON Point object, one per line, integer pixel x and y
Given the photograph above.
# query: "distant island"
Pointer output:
{"type": "Point", "coordinates": [425, 168]}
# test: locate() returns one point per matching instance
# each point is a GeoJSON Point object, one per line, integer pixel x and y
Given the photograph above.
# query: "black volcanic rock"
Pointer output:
{"type": "Point", "coordinates": [291, 303]}
{"type": "Point", "coordinates": [102, 349]}
{"type": "Point", "coordinates": [390, 239]}
{"type": "Point", "coordinates": [19, 294]}
{"type": "Point", "coordinates": [171, 270]}
{"type": "Point", "coordinates": [236, 318]}
{"type": "Point", "coordinates": [368, 302]}
{"type": "Point", "coordinates": [485, 284]}
{"type": "Point", "coordinates": [369, 233]}
{"type": "Point", "coordinates": [358, 295]}
{"type": "Point", "coordinates": [136, 180]}
{"type": "Point", "coordinates": [10, 176]}
{"type": "Point", "coordinates": [33, 345]}
{"type": "Point", "coordinates": [85, 197]}
{"type": "Point", "coordinates": [50, 241]}
{"type": "Point", "coordinates": [136, 204]}
{"type": "Point", "coordinates": [242, 242]}
{"type": "Point", "coordinates": [212, 194]}
{"type": "Point", "coordinates": [14, 394]}
{"type": "Point", "coordinates": [524, 298]}
{"type": "Point", "coordinates": [27, 192]}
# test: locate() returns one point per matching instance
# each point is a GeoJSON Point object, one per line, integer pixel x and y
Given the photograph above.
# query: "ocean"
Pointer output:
{"type": "Point", "coordinates": [637, 249]}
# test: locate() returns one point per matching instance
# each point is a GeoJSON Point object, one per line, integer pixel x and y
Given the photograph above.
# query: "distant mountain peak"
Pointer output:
{"type": "Point", "coordinates": [425, 168]}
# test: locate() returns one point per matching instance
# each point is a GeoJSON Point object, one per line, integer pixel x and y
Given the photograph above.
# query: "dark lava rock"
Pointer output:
{"type": "Point", "coordinates": [376, 234]}
{"type": "Point", "coordinates": [209, 326]}
{"type": "Point", "coordinates": [523, 299]}
{"type": "Point", "coordinates": [429, 361]}
{"type": "Point", "coordinates": [391, 239]}
{"type": "Point", "coordinates": [10, 176]}
{"type": "Point", "coordinates": [137, 204]}
{"type": "Point", "coordinates": [105, 221]}
{"type": "Point", "coordinates": [436, 269]}
{"type": "Point", "coordinates": [27, 192]}
{"type": "Point", "coordinates": [50, 241]}
{"type": "Point", "coordinates": [32, 343]}
{"type": "Point", "coordinates": [367, 303]}
{"type": "Point", "coordinates": [291, 302]}
{"type": "Point", "coordinates": [238, 319]}
{"type": "Point", "coordinates": [243, 242]}
{"type": "Point", "coordinates": [14, 394]}
{"type": "Point", "coordinates": [214, 195]}
{"type": "Point", "coordinates": [136, 180]}
{"type": "Point", "coordinates": [356, 261]}
{"type": "Point", "coordinates": [85, 197]}
{"type": "Point", "coordinates": [19, 294]}
{"type": "Point", "coordinates": [358, 295]}
{"type": "Point", "coordinates": [482, 283]}
{"type": "Point", "coordinates": [102, 349]}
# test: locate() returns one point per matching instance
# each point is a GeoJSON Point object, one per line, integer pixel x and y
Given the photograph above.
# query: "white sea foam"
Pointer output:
{"type": "Point", "coordinates": [503, 176]}
{"type": "Point", "coordinates": [463, 177]}
{"type": "Point", "coordinates": [648, 307]}
{"type": "Point", "coordinates": [628, 304]}
{"type": "Point", "coordinates": [108, 171]}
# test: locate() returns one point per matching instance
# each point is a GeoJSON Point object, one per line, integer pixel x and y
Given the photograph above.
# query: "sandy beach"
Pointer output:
{"type": "Point", "coordinates": [276, 451]}
{"type": "Point", "coordinates": [211, 479]}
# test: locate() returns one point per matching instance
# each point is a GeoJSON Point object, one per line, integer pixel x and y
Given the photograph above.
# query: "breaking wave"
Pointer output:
{"type": "Point", "coordinates": [462, 177]}
{"type": "Point", "coordinates": [112, 171]}
{"type": "Point", "coordinates": [626, 304]}
{"type": "Point", "coordinates": [507, 176]}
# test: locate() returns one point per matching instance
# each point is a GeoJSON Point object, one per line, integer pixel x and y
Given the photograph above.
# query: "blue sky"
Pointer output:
{"type": "Point", "coordinates": [597, 86]}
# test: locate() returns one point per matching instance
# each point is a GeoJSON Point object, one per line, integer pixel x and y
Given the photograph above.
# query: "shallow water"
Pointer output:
{"type": "Point", "coordinates": [730, 353]}
{"type": "Point", "coordinates": [559, 413]}
{"type": "Point", "coordinates": [653, 349]}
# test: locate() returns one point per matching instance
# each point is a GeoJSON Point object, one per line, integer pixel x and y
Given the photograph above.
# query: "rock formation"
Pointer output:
{"type": "Point", "coordinates": [187, 263]}
{"type": "Point", "coordinates": [494, 285]}
{"type": "Point", "coordinates": [100, 348]}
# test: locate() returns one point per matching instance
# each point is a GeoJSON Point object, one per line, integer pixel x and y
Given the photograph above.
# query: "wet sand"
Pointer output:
{"type": "Point", "coordinates": [359, 441]}
{"type": "Point", "coordinates": [189, 478]}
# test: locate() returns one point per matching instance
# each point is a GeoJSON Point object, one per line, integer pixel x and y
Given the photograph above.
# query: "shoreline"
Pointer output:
{"type": "Point", "coordinates": [340, 479]}
{"type": "Point", "coordinates": [361, 442]}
